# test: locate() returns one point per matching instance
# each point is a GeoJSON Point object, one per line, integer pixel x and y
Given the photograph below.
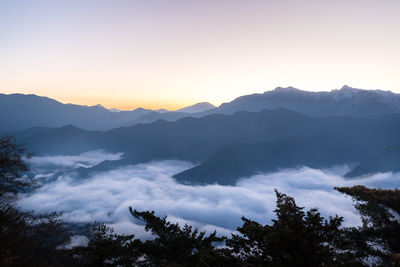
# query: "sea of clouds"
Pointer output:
{"type": "Point", "coordinates": [106, 196]}
{"type": "Point", "coordinates": [85, 160]}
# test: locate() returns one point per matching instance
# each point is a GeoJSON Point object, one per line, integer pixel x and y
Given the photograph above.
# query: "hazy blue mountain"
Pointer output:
{"type": "Point", "coordinates": [238, 160]}
{"type": "Point", "coordinates": [195, 110]}
{"type": "Point", "coordinates": [346, 101]}
{"type": "Point", "coordinates": [161, 110]}
{"type": "Point", "coordinates": [199, 107]}
{"type": "Point", "coordinates": [197, 136]}
{"type": "Point", "coordinates": [388, 160]}
{"type": "Point", "coordinates": [115, 110]}
{"type": "Point", "coordinates": [324, 141]}
{"type": "Point", "coordinates": [23, 111]}
{"type": "Point", "coordinates": [155, 116]}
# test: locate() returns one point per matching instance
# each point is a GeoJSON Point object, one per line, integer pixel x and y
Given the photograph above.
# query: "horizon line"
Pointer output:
{"type": "Point", "coordinates": [175, 107]}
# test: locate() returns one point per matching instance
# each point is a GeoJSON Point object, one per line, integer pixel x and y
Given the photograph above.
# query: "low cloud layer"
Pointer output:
{"type": "Point", "coordinates": [85, 160]}
{"type": "Point", "coordinates": [106, 196]}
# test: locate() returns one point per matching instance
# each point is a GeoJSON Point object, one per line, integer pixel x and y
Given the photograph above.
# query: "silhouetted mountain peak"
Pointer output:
{"type": "Point", "coordinates": [98, 107]}
{"type": "Point", "coordinates": [346, 87]}
{"type": "Point", "coordinates": [69, 127]}
{"type": "Point", "coordinates": [30, 97]}
{"type": "Point", "coordinates": [285, 89]}
{"type": "Point", "coordinates": [25, 111]}
{"type": "Point", "coordinates": [344, 101]}
{"type": "Point", "coordinates": [199, 107]}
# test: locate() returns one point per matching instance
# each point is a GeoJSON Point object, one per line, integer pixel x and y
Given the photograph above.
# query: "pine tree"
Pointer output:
{"type": "Point", "coordinates": [295, 238]}
{"type": "Point", "coordinates": [379, 235]}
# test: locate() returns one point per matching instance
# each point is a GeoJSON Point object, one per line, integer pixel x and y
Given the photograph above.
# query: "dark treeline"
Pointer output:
{"type": "Point", "coordinates": [296, 237]}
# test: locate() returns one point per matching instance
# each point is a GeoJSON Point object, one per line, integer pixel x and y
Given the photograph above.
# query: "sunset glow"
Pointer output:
{"type": "Point", "coordinates": [170, 54]}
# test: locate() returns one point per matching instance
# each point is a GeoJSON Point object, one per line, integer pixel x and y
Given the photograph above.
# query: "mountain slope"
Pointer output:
{"type": "Point", "coordinates": [155, 116]}
{"type": "Point", "coordinates": [199, 107]}
{"type": "Point", "coordinates": [25, 111]}
{"type": "Point", "coordinates": [327, 140]}
{"type": "Point", "coordinates": [346, 101]}
{"type": "Point", "coordinates": [388, 160]}
{"type": "Point", "coordinates": [238, 160]}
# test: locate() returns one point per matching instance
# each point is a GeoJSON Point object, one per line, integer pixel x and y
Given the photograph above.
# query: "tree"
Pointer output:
{"type": "Point", "coordinates": [379, 234]}
{"type": "Point", "coordinates": [105, 248]}
{"type": "Point", "coordinates": [12, 167]}
{"type": "Point", "coordinates": [25, 239]}
{"type": "Point", "coordinates": [295, 238]}
{"type": "Point", "coordinates": [176, 246]}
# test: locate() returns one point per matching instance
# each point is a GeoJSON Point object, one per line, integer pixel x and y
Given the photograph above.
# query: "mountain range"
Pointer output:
{"type": "Point", "coordinates": [25, 111]}
{"type": "Point", "coordinates": [345, 101]}
{"type": "Point", "coordinates": [228, 147]}
{"type": "Point", "coordinates": [282, 128]}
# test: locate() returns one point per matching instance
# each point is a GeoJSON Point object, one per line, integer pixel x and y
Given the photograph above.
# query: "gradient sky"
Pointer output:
{"type": "Point", "coordinates": [170, 54]}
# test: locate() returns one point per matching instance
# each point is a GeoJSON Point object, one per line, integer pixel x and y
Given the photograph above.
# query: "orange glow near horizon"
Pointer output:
{"type": "Point", "coordinates": [125, 104]}
{"type": "Point", "coordinates": [171, 54]}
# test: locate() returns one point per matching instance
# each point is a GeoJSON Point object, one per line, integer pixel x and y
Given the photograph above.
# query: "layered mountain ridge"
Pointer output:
{"type": "Point", "coordinates": [230, 146]}
{"type": "Point", "coordinates": [282, 128]}
{"type": "Point", "coordinates": [345, 101]}
{"type": "Point", "coordinates": [25, 111]}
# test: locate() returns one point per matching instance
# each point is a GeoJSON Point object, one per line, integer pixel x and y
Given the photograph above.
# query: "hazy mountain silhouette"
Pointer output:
{"type": "Point", "coordinates": [346, 101]}
{"type": "Point", "coordinates": [24, 111]}
{"type": "Point", "coordinates": [317, 141]}
{"type": "Point", "coordinates": [388, 160]}
{"type": "Point", "coordinates": [155, 116]}
{"type": "Point", "coordinates": [199, 107]}
{"type": "Point", "coordinates": [196, 110]}
{"type": "Point", "coordinates": [237, 160]}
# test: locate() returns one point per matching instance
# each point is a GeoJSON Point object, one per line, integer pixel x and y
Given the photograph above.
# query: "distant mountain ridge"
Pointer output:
{"type": "Point", "coordinates": [199, 107]}
{"type": "Point", "coordinates": [345, 101]}
{"type": "Point", "coordinates": [25, 111]}
{"type": "Point", "coordinates": [20, 111]}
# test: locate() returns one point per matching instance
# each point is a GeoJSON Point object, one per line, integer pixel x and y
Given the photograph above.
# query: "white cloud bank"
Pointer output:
{"type": "Point", "coordinates": [87, 159]}
{"type": "Point", "coordinates": [106, 196]}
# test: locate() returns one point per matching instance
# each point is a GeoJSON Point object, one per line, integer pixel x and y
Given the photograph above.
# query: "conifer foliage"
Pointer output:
{"type": "Point", "coordinates": [379, 235]}
{"type": "Point", "coordinates": [25, 239]}
{"type": "Point", "coordinates": [295, 238]}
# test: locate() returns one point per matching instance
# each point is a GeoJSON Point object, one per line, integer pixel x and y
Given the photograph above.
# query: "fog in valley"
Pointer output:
{"type": "Point", "coordinates": [106, 196]}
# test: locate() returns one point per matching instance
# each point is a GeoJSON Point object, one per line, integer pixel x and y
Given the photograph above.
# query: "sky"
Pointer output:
{"type": "Point", "coordinates": [170, 54]}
